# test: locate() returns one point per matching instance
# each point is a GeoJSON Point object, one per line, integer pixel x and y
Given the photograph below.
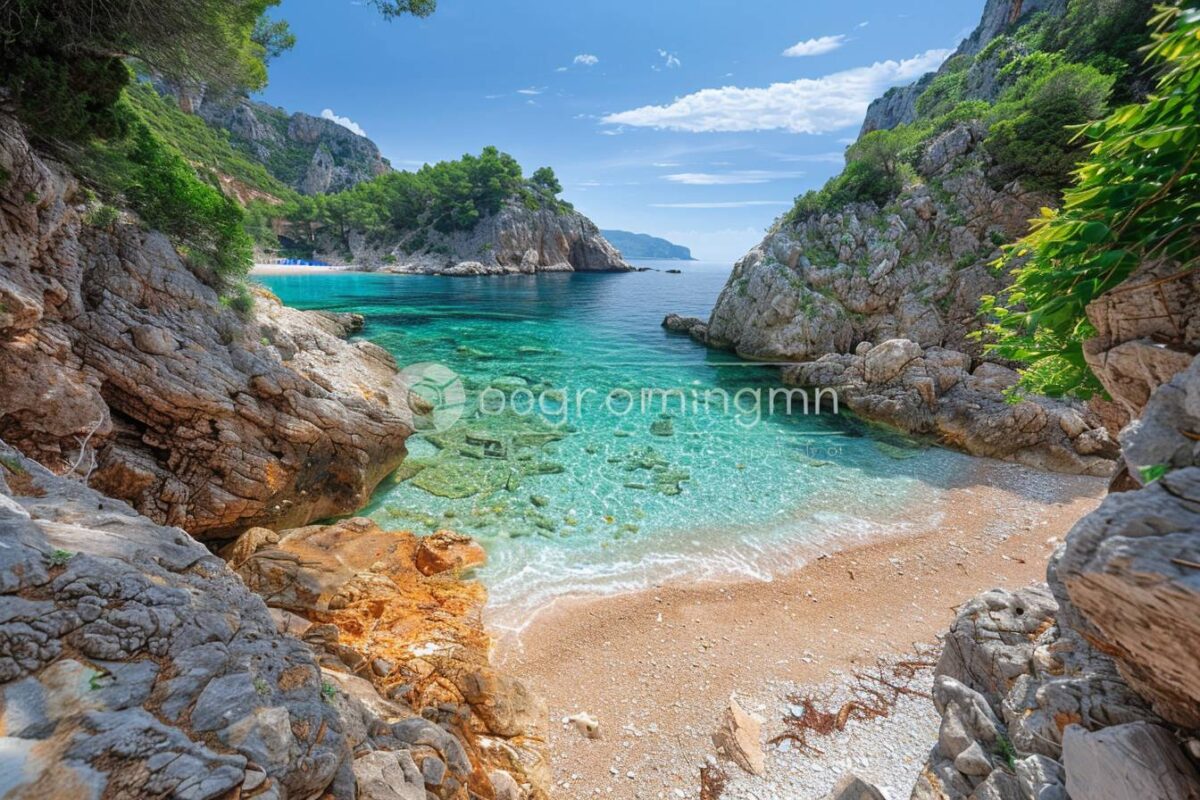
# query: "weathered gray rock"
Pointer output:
{"type": "Point", "coordinates": [1127, 580]}
{"type": "Point", "coordinates": [1124, 762]}
{"type": "Point", "coordinates": [195, 416]}
{"type": "Point", "coordinates": [388, 775]}
{"type": "Point", "coordinates": [1168, 432]}
{"type": "Point", "coordinates": [515, 241]}
{"type": "Point", "coordinates": [1147, 330]}
{"type": "Point", "coordinates": [992, 640]}
{"type": "Point", "coordinates": [852, 787]}
{"type": "Point", "coordinates": [1041, 778]}
{"type": "Point", "coordinates": [914, 270]}
{"type": "Point", "coordinates": [692, 326]}
{"type": "Point", "coordinates": [123, 643]}
{"type": "Point", "coordinates": [932, 392]}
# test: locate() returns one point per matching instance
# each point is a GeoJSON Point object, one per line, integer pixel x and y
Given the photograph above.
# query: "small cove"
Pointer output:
{"type": "Point", "coordinates": [584, 498]}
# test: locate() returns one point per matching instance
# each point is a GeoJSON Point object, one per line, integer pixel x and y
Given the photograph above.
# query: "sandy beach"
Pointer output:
{"type": "Point", "coordinates": [295, 269]}
{"type": "Point", "coordinates": [656, 668]}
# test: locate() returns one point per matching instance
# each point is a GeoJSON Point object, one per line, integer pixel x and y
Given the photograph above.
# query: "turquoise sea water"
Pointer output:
{"type": "Point", "coordinates": [598, 489]}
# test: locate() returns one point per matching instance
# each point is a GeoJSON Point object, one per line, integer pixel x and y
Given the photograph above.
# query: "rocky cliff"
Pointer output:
{"type": "Point", "coordinates": [117, 362]}
{"type": "Point", "coordinates": [134, 663]}
{"type": "Point", "coordinates": [517, 240]}
{"type": "Point", "coordinates": [899, 105]}
{"type": "Point", "coordinates": [915, 269]}
{"type": "Point", "coordinates": [311, 154]}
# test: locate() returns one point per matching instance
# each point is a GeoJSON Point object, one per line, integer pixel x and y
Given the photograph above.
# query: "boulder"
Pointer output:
{"type": "Point", "coordinates": [447, 551]}
{"type": "Point", "coordinates": [1123, 762]}
{"type": "Point", "coordinates": [391, 619]}
{"type": "Point", "coordinates": [136, 664]}
{"type": "Point", "coordinates": [852, 787]}
{"type": "Point", "coordinates": [1147, 330]}
{"type": "Point", "coordinates": [739, 738]}
{"type": "Point", "coordinates": [1129, 581]}
{"type": "Point", "coordinates": [930, 391]}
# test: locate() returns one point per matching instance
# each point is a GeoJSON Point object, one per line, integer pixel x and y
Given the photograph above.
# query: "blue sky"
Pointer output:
{"type": "Point", "coordinates": [697, 121]}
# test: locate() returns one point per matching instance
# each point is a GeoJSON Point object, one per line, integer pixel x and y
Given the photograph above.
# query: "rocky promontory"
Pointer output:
{"type": "Point", "coordinates": [914, 270]}
{"type": "Point", "coordinates": [515, 241]}
{"type": "Point", "coordinates": [119, 363]}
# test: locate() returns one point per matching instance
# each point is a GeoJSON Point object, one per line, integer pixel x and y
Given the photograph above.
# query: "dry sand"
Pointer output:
{"type": "Point", "coordinates": [655, 668]}
{"type": "Point", "coordinates": [295, 269]}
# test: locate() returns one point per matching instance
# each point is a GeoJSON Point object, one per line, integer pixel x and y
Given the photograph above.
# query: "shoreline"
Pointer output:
{"type": "Point", "coordinates": [299, 269]}
{"type": "Point", "coordinates": [655, 667]}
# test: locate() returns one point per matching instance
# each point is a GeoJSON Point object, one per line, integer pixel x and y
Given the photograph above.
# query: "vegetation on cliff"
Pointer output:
{"type": "Point", "coordinates": [1029, 87]}
{"type": "Point", "coordinates": [65, 71]}
{"type": "Point", "coordinates": [401, 206]}
{"type": "Point", "coordinates": [1134, 200]}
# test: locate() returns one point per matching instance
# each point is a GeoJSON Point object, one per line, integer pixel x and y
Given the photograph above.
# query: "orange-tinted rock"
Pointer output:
{"type": "Point", "coordinates": [447, 551]}
{"type": "Point", "coordinates": [418, 638]}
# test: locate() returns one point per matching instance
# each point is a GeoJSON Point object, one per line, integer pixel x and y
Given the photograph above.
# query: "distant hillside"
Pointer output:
{"type": "Point", "coordinates": [641, 245]}
{"type": "Point", "coordinates": [310, 154]}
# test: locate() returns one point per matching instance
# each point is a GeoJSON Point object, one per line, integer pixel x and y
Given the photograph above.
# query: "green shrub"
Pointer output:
{"type": "Point", "coordinates": [102, 216]}
{"type": "Point", "coordinates": [1038, 144]}
{"type": "Point", "coordinates": [1133, 200]}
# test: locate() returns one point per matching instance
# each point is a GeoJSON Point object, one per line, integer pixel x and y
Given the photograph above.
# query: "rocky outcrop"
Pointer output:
{"type": "Point", "coordinates": [515, 241]}
{"type": "Point", "coordinates": [1147, 330]}
{"type": "Point", "coordinates": [916, 269]}
{"type": "Point", "coordinates": [134, 663]}
{"type": "Point", "coordinates": [692, 326]}
{"type": "Point", "coordinates": [939, 393]}
{"type": "Point", "coordinates": [899, 104]}
{"type": "Point", "coordinates": [393, 622]}
{"type": "Point", "coordinates": [311, 154]}
{"type": "Point", "coordinates": [1086, 688]}
{"type": "Point", "coordinates": [117, 361]}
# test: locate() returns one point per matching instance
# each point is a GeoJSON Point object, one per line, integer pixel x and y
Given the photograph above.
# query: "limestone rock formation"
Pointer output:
{"type": "Point", "coordinates": [898, 105]}
{"type": "Point", "coordinates": [116, 360]}
{"type": "Point", "coordinates": [1147, 330]}
{"type": "Point", "coordinates": [516, 240]}
{"type": "Point", "coordinates": [381, 615]}
{"type": "Point", "coordinates": [1130, 573]}
{"type": "Point", "coordinates": [935, 392]}
{"type": "Point", "coordinates": [1137, 760]}
{"type": "Point", "coordinates": [913, 270]}
{"type": "Point", "coordinates": [133, 663]}
{"type": "Point", "coordinates": [311, 154]}
{"type": "Point", "coordinates": [692, 326]}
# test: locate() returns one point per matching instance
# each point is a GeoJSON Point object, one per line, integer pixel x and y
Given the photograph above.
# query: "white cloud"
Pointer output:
{"type": "Point", "coordinates": [729, 204]}
{"type": "Point", "coordinates": [586, 60]}
{"type": "Point", "coordinates": [561, 69]}
{"type": "Point", "coordinates": [666, 164]}
{"type": "Point", "coordinates": [345, 122]}
{"type": "Point", "coordinates": [670, 61]}
{"type": "Point", "coordinates": [737, 178]}
{"type": "Point", "coordinates": [815, 47]}
{"type": "Point", "coordinates": [864, 23]}
{"type": "Point", "coordinates": [530, 91]}
{"type": "Point", "coordinates": [809, 105]}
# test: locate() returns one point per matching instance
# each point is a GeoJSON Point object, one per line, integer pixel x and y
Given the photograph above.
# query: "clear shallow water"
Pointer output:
{"type": "Point", "coordinates": [600, 491]}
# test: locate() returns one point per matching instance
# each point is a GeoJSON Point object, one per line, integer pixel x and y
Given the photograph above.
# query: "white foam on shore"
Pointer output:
{"type": "Point", "coordinates": [693, 557]}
